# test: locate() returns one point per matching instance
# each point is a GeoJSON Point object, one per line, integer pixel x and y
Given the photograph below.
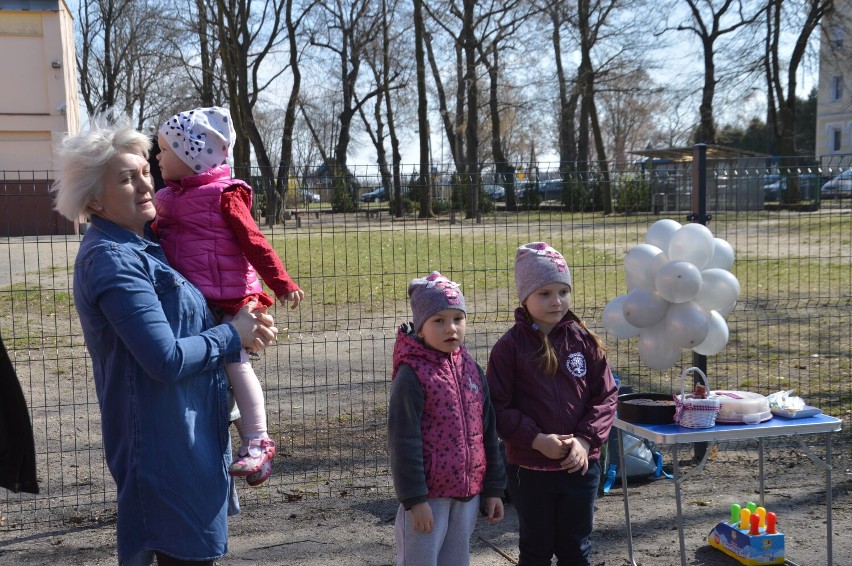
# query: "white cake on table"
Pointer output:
{"type": "Point", "coordinates": [742, 407]}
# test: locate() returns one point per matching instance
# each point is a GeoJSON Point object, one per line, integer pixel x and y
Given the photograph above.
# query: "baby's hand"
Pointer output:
{"type": "Point", "coordinates": [294, 297]}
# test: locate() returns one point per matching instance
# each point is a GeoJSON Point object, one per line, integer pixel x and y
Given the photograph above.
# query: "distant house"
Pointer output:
{"type": "Point", "coordinates": [834, 95]}
{"type": "Point", "coordinates": [38, 105]}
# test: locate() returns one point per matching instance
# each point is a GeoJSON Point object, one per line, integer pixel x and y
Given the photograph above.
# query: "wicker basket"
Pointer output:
{"type": "Point", "coordinates": [693, 412]}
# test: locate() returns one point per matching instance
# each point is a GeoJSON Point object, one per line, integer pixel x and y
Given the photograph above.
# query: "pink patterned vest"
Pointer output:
{"type": "Point", "coordinates": [451, 425]}
{"type": "Point", "coordinates": [198, 241]}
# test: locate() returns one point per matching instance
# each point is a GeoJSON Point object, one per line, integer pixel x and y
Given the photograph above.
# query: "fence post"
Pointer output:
{"type": "Point", "coordinates": [699, 215]}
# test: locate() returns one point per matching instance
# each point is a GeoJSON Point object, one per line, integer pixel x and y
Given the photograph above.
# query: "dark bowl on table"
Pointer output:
{"type": "Point", "coordinates": [646, 408]}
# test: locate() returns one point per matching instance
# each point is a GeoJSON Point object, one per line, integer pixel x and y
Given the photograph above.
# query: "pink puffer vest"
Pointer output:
{"type": "Point", "coordinates": [451, 425]}
{"type": "Point", "coordinates": [198, 241]}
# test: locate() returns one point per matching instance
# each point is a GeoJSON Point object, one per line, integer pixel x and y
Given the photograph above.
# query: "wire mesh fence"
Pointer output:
{"type": "Point", "coordinates": [327, 384]}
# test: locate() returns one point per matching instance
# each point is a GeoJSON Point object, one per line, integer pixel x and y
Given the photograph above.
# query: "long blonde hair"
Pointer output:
{"type": "Point", "coordinates": [549, 360]}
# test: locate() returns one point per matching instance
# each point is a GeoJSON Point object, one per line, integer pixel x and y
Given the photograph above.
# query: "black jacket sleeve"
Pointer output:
{"type": "Point", "coordinates": [17, 448]}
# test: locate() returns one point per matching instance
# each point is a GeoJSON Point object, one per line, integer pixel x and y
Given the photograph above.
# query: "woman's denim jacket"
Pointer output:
{"type": "Point", "coordinates": [157, 359]}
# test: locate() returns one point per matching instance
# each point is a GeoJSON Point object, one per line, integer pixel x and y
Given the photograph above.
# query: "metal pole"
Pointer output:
{"type": "Point", "coordinates": [699, 215]}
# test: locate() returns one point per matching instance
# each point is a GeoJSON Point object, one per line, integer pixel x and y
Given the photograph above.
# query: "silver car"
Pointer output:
{"type": "Point", "coordinates": [839, 187]}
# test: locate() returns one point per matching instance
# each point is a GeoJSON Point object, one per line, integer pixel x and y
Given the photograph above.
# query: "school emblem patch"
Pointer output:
{"type": "Point", "coordinates": [576, 364]}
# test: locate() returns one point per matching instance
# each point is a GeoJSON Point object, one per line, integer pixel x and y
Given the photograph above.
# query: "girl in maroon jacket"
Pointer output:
{"type": "Point", "coordinates": [554, 397]}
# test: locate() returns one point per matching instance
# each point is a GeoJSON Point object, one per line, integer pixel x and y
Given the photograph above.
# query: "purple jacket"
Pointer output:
{"type": "Point", "coordinates": [197, 239]}
{"type": "Point", "coordinates": [580, 399]}
{"type": "Point", "coordinates": [441, 433]}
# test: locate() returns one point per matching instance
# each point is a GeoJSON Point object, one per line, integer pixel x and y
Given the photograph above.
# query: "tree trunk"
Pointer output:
{"type": "Point", "coordinates": [285, 164]}
{"type": "Point", "coordinates": [422, 113]}
{"type": "Point", "coordinates": [449, 128]}
{"type": "Point", "coordinates": [505, 171]}
{"type": "Point", "coordinates": [471, 165]}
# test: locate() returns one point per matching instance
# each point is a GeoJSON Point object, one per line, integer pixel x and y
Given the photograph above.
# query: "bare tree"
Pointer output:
{"type": "Point", "coordinates": [630, 103]}
{"type": "Point", "coordinates": [276, 204]}
{"type": "Point", "coordinates": [119, 61]}
{"type": "Point", "coordinates": [346, 29]}
{"type": "Point", "coordinates": [709, 21]}
{"type": "Point", "coordinates": [506, 25]}
{"type": "Point", "coordinates": [247, 37]}
{"type": "Point", "coordinates": [389, 74]}
{"type": "Point", "coordinates": [569, 94]}
{"type": "Point", "coordinates": [803, 16]}
{"type": "Point", "coordinates": [422, 111]}
{"type": "Point", "coordinates": [452, 122]}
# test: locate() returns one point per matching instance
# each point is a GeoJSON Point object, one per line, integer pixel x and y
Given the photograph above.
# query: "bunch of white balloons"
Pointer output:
{"type": "Point", "coordinates": [680, 288]}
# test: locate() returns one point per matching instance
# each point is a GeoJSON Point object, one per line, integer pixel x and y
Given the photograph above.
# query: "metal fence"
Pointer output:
{"type": "Point", "coordinates": [327, 385]}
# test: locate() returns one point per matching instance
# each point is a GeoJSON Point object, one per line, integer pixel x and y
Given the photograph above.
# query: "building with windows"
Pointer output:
{"type": "Point", "coordinates": [834, 97]}
{"type": "Point", "coordinates": [38, 106]}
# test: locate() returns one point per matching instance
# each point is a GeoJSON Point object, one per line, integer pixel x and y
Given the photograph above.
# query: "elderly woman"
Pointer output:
{"type": "Point", "coordinates": [158, 356]}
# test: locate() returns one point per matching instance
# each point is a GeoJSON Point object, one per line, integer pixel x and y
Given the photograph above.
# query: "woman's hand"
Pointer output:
{"type": "Point", "coordinates": [421, 517]}
{"type": "Point", "coordinates": [255, 327]}
{"type": "Point", "coordinates": [554, 446]}
{"type": "Point", "coordinates": [577, 459]}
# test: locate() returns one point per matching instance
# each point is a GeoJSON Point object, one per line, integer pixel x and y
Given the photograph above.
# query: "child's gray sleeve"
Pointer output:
{"type": "Point", "coordinates": [405, 444]}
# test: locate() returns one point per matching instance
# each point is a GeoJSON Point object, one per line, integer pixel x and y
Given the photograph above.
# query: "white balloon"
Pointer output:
{"type": "Point", "coordinates": [678, 281]}
{"type": "Point", "coordinates": [614, 322]}
{"type": "Point", "coordinates": [644, 307]}
{"type": "Point", "coordinates": [641, 263]}
{"type": "Point", "coordinates": [719, 290]}
{"type": "Point", "coordinates": [660, 233]}
{"type": "Point", "coordinates": [727, 310]}
{"type": "Point", "coordinates": [687, 324]}
{"type": "Point", "coordinates": [692, 243]}
{"type": "Point", "coordinates": [723, 255]}
{"type": "Point", "coordinates": [717, 336]}
{"type": "Point", "coordinates": [655, 350]}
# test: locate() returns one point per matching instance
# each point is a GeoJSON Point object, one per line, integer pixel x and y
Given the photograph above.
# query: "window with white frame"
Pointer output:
{"type": "Point", "coordinates": [836, 88]}
{"type": "Point", "coordinates": [835, 139]}
{"type": "Point", "coordinates": [837, 35]}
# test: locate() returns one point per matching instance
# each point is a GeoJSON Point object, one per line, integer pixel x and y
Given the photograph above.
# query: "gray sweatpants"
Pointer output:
{"type": "Point", "coordinates": [449, 542]}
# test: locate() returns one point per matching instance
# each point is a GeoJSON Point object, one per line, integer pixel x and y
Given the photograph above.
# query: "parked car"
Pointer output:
{"type": "Point", "coordinates": [376, 195]}
{"type": "Point", "coordinates": [838, 187]}
{"type": "Point", "coordinates": [551, 190]}
{"type": "Point", "coordinates": [773, 188]}
{"type": "Point", "coordinates": [547, 190]}
{"type": "Point", "coordinates": [495, 192]}
{"type": "Point", "coordinates": [807, 186]}
{"type": "Point", "coordinates": [307, 196]}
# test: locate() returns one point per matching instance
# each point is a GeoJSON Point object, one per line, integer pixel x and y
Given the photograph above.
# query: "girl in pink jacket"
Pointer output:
{"type": "Point", "coordinates": [208, 234]}
{"type": "Point", "coordinates": [442, 440]}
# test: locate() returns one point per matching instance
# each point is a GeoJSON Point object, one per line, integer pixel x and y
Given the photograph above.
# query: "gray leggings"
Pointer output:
{"type": "Point", "coordinates": [449, 541]}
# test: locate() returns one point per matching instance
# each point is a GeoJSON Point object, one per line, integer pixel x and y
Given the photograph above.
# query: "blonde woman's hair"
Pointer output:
{"type": "Point", "coordinates": [549, 360]}
{"type": "Point", "coordinates": [83, 159]}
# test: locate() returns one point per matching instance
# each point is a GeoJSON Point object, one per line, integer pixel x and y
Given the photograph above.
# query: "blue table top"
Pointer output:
{"type": "Point", "coordinates": [776, 426]}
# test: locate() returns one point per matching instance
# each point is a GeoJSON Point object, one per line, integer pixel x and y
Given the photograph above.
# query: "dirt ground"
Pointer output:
{"type": "Point", "coordinates": [358, 530]}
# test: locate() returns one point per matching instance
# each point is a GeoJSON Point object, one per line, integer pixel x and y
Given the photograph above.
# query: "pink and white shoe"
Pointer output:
{"type": "Point", "coordinates": [250, 459]}
{"type": "Point", "coordinates": [261, 475]}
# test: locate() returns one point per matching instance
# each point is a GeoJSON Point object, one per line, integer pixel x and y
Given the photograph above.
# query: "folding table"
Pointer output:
{"type": "Point", "coordinates": [675, 435]}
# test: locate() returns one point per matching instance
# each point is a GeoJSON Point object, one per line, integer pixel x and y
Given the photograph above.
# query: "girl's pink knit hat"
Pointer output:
{"type": "Point", "coordinates": [431, 294]}
{"type": "Point", "coordinates": [536, 265]}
